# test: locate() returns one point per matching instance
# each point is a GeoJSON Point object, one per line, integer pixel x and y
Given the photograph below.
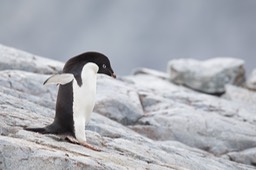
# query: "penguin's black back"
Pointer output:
{"type": "Point", "coordinates": [63, 121]}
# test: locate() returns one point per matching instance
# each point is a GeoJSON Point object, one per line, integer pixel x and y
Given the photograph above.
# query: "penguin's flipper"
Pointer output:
{"type": "Point", "coordinates": [59, 79]}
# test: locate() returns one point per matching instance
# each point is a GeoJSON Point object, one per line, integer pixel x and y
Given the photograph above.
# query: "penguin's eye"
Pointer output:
{"type": "Point", "coordinates": [104, 66]}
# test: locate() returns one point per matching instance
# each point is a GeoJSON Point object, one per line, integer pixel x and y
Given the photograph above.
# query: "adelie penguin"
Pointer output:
{"type": "Point", "coordinates": [76, 96]}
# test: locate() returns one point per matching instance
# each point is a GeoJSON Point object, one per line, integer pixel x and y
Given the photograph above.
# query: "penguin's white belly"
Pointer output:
{"type": "Point", "coordinates": [83, 104]}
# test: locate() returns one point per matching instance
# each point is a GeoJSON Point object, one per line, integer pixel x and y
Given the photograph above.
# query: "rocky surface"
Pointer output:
{"type": "Point", "coordinates": [11, 58]}
{"type": "Point", "coordinates": [251, 82]}
{"type": "Point", "coordinates": [141, 121]}
{"type": "Point", "coordinates": [208, 76]}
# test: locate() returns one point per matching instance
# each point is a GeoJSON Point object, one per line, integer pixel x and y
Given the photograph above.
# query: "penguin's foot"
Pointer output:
{"type": "Point", "coordinates": [83, 143]}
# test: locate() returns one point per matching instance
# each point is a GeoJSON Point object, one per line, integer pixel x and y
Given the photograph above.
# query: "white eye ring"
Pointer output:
{"type": "Point", "coordinates": [104, 66]}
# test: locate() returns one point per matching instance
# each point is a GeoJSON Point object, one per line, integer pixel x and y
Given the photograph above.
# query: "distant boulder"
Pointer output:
{"type": "Point", "coordinates": [251, 82]}
{"type": "Point", "coordinates": [208, 76]}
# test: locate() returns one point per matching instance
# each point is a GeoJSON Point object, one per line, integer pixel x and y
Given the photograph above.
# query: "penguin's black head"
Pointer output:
{"type": "Point", "coordinates": [75, 64]}
{"type": "Point", "coordinates": [104, 64]}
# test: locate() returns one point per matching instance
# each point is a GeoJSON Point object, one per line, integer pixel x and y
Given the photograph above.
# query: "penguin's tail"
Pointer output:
{"type": "Point", "coordinates": [39, 130]}
{"type": "Point", "coordinates": [50, 129]}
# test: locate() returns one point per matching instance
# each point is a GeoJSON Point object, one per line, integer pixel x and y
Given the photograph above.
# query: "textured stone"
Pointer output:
{"type": "Point", "coordinates": [251, 82]}
{"type": "Point", "coordinates": [247, 156]}
{"type": "Point", "coordinates": [244, 98]}
{"type": "Point", "coordinates": [28, 86]}
{"type": "Point", "coordinates": [147, 71]}
{"type": "Point", "coordinates": [169, 126]}
{"type": "Point", "coordinates": [14, 59]}
{"type": "Point", "coordinates": [116, 100]}
{"type": "Point", "coordinates": [208, 76]}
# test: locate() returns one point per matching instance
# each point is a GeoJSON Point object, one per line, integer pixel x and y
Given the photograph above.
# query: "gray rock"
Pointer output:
{"type": "Point", "coordinates": [122, 148]}
{"type": "Point", "coordinates": [116, 100]}
{"type": "Point", "coordinates": [197, 120]}
{"type": "Point", "coordinates": [28, 86]}
{"type": "Point", "coordinates": [11, 58]}
{"type": "Point", "coordinates": [150, 72]}
{"type": "Point", "coordinates": [208, 76]}
{"type": "Point", "coordinates": [244, 98]}
{"type": "Point", "coordinates": [212, 133]}
{"type": "Point", "coordinates": [247, 156]}
{"type": "Point", "coordinates": [170, 127]}
{"type": "Point", "coordinates": [251, 81]}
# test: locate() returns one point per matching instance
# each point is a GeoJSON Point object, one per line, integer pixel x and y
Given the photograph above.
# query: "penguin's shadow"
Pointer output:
{"type": "Point", "coordinates": [59, 138]}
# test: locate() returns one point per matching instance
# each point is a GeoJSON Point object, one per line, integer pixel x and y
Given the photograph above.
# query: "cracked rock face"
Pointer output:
{"type": "Point", "coordinates": [141, 121]}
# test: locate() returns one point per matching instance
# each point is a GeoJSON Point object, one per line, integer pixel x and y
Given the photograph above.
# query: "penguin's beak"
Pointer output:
{"type": "Point", "coordinates": [113, 75]}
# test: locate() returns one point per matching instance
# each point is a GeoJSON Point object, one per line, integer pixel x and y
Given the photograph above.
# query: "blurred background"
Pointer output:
{"type": "Point", "coordinates": [134, 33]}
